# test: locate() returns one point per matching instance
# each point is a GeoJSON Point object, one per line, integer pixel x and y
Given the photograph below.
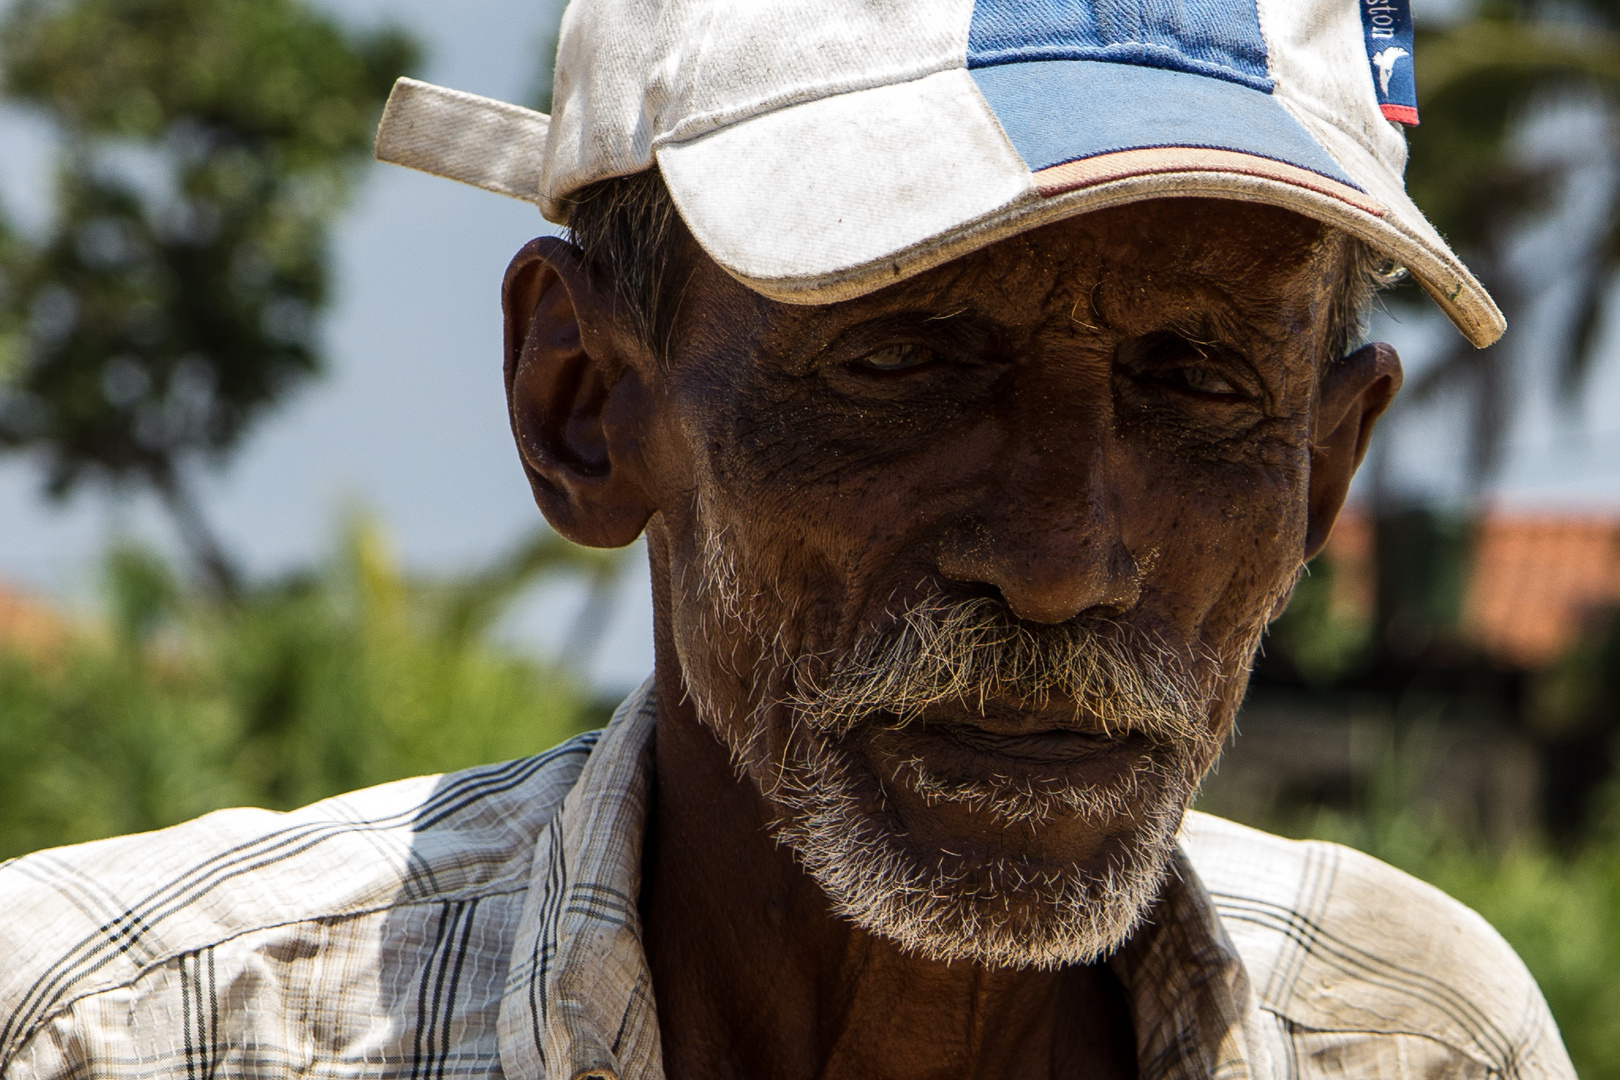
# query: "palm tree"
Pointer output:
{"type": "Point", "coordinates": [1479, 81]}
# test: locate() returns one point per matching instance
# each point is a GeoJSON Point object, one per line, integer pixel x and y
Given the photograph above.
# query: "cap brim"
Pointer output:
{"type": "Point", "coordinates": [834, 198]}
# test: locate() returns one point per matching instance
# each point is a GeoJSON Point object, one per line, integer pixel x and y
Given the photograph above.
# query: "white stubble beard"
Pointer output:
{"type": "Point", "coordinates": [1000, 912]}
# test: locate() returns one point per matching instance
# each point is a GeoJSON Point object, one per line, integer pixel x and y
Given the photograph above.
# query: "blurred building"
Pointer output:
{"type": "Point", "coordinates": [1482, 661]}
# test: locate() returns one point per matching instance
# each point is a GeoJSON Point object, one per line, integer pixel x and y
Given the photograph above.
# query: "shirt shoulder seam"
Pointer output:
{"type": "Point", "coordinates": [1472, 1054]}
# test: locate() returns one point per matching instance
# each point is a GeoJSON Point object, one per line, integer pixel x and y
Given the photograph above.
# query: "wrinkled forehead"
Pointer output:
{"type": "Point", "coordinates": [1143, 252]}
{"type": "Point", "coordinates": [1248, 268]}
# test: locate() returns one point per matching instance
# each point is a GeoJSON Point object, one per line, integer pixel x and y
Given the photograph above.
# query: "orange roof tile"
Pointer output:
{"type": "Point", "coordinates": [27, 625]}
{"type": "Point", "coordinates": [1537, 580]}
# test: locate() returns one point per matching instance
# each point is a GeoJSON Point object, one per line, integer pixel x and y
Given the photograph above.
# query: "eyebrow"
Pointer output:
{"type": "Point", "coordinates": [1223, 316]}
{"type": "Point", "coordinates": [965, 327]}
{"type": "Point", "coordinates": [965, 319]}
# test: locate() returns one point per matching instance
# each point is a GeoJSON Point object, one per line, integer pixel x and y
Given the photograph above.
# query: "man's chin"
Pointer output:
{"type": "Point", "coordinates": [951, 882]}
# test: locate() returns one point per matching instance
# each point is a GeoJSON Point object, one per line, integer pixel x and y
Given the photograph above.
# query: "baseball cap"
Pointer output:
{"type": "Point", "coordinates": [819, 151]}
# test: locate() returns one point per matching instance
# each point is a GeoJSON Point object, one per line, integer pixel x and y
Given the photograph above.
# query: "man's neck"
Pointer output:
{"type": "Point", "coordinates": [755, 977]}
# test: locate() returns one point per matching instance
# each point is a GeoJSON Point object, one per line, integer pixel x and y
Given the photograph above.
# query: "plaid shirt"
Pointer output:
{"type": "Point", "coordinates": [484, 923]}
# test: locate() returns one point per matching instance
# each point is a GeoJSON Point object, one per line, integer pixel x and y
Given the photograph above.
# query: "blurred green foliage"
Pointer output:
{"type": "Point", "coordinates": [351, 676]}
{"type": "Point", "coordinates": [205, 148]}
{"type": "Point", "coordinates": [1476, 80]}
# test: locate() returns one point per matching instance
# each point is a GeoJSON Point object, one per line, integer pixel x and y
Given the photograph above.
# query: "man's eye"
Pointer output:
{"type": "Point", "coordinates": [1199, 380]}
{"type": "Point", "coordinates": [897, 358]}
{"type": "Point", "coordinates": [1169, 360]}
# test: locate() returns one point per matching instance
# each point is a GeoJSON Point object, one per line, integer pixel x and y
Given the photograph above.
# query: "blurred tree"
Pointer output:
{"type": "Point", "coordinates": [206, 146]}
{"type": "Point", "coordinates": [1479, 80]}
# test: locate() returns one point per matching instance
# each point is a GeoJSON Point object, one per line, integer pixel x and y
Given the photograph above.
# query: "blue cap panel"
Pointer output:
{"type": "Point", "coordinates": [1218, 38]}
{"type": "Point", "coordinates": [1065, 110]}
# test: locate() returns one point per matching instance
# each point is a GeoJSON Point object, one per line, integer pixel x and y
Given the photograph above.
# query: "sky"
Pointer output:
{"type": "Point", "coordinates": [410, 425]}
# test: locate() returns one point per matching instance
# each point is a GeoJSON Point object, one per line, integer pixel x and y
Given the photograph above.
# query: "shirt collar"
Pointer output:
{"type": "Point", "coordinates": [578, 1002]}
{"type": "Point", "coordinates": [1195, 1012]}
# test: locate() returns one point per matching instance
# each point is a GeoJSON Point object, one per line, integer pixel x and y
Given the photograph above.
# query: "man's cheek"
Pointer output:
{"type": "Point", "coordinates": [763, 586]}
{"type": "Point", "coordinates": [1221, 544]}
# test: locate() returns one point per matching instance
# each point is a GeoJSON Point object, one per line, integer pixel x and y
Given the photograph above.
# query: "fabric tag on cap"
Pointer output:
{"type": "Point", "coordinates": [1387, 25]}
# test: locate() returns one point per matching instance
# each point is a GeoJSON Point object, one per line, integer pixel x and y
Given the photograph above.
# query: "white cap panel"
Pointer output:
{"type": "Point", "coordinates": [617, 72]}
{"type": "Point", "coordinates": [846, 181]}
{"type": "Point", "coordinates": [632, 74]}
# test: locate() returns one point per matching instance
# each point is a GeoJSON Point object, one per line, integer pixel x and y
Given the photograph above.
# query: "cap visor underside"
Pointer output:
{"type": "Point", "coordinates": [839, 196]}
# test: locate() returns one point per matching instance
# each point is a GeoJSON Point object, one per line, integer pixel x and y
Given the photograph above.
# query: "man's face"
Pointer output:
{"type": "Point", "coordinates": [968, 573]}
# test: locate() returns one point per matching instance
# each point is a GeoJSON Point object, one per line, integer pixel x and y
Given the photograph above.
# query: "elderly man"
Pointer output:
{"type": "Point", "coordinates": [981, 374]}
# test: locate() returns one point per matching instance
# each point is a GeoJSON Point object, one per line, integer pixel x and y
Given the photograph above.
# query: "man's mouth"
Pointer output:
{"type": "Point", "coordinates": [1056, 744]}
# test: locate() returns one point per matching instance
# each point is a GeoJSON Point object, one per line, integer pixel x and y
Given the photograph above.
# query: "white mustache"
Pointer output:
{"type": "Point", "coordinates": [970, 652]}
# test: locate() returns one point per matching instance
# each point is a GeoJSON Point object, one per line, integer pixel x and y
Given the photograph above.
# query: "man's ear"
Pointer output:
{"type": "Point", "coordinates": [577, 402]}
{"type": "Point", "coordinates": [1353, 395]}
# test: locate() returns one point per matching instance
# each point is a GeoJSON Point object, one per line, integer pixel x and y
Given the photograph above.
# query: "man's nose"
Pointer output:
{"type": "Point", "coordinates": [1050, 542]}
